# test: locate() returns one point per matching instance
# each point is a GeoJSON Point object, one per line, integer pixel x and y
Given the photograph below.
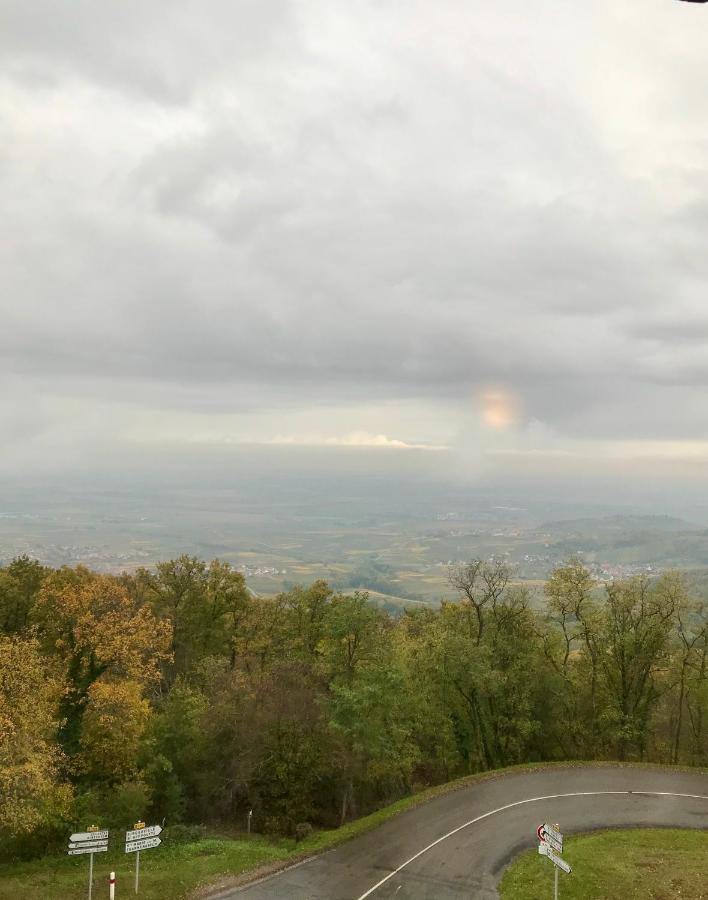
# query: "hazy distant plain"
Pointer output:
{"type": "Point", "coordinates": [391, 532]}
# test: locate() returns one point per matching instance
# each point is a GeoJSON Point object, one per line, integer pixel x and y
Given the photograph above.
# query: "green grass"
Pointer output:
{"type": "Point", "coordinates": [166, 873]}
{"type": "Point", "coordinates": [663, 864]}
{"type": "Point", "coordinates": [175, 872]}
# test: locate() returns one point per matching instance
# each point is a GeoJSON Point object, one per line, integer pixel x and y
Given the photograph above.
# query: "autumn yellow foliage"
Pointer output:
{"type": "Point", "coordinates": [30, 790]}
{"type": "Point", "coordinates": [98, 628]}
{"type": "Point", "coordinates": [113, 724]}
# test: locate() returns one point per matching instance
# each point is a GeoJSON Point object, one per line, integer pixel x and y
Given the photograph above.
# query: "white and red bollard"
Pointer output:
{"type": "Point", "coordinates": [112, 886]}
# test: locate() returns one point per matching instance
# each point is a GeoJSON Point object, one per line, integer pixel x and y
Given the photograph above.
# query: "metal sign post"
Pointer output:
{"type": "Point", "coordinates": [91, 841]}
{"type": "Point", "coordinates": [141, 838]}
{"type": "Point", "coordinates": [139, 826]}
{"type": "Point", "coordinates": [550, 845]}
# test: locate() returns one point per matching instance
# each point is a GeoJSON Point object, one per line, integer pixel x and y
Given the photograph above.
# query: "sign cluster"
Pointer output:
{"type": "Point", "coordinates": [141, 837]}
{"type": "Point", "coordinates": [551, 845]}
{"type": "Point", "coordinates": [88, 842]}
{"type": "Point", "coordinates": [91, 841]}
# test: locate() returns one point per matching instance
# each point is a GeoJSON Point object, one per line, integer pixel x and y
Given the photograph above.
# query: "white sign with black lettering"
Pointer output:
{"type": "Point", "coordinates": [557, 861]}
{"type": "Point", "coordinates": [89, 836]}
{"type": "Point", "coordinates": [146, 844]}
{"type": "Point", "coordinates": [88, 842]}
{"type": "Point", "coordinates": [139, 833]}
{"type": "Point", "coordinates": [79, 850]}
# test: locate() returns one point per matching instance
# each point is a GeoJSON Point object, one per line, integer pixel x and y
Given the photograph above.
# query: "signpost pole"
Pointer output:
{"type": "Point", "coordinates": [141, 838]}
{"type": "Point", "coordinates": [551, 846]}
{"type": "Point", "coordinates": [555, 886]}
{"type": "Point", "coordinates": [92, 841]}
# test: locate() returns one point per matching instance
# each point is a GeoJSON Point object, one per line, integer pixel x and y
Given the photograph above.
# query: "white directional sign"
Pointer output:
{"type": "Point", "coordinates": [140, 833]}
{"type": "Point", "coordinates": [90, 836]}
{"type": "Point", "coordinates": [141, 837]}
{"type": "Point", "coordinates": [147, 844]}
{"type": "Point", "coordinates": [550, 845]}
{"type": "Point", "coordinates": [550, 836]}
{"type": "Point", "coordinates": [550, 830]}
{"type": "Point", "coordinates": [79, 850]}
{"type": "Point", "coordinates": [557, 861]}
{"type": "Point", "coordinates": [88, 844]}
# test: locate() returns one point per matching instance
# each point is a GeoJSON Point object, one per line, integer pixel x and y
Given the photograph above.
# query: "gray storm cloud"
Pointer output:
{"type": "Point", "coordinates": [293, 206]}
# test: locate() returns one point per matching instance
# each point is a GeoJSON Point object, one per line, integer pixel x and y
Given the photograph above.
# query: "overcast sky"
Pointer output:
{"type": "Point", "coordinates": [474, 225]}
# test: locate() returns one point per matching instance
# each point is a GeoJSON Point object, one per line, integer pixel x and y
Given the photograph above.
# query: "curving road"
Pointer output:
{"type": "Point", "coordinates": [458, 844]}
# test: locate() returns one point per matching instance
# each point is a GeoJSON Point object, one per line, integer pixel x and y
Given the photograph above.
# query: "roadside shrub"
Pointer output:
{"type": "Point", "coordinates": [184, 834]}
{"type": "Point", "coordinates": [302, 830]}
{"type": "Point", "coordinates": [276, 825]}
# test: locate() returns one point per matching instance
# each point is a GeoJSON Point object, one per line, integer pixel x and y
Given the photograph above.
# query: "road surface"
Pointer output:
{"type": "Point", "coordinates": [457, 845]}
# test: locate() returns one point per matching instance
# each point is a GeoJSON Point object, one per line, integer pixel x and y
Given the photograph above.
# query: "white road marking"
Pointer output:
{"type": "Point", "coordinates": [510, 806]}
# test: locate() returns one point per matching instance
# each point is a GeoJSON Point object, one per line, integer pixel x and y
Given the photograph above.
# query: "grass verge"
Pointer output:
{"type": "Point", "coordinates": [663, 864]}
{"type": "Point", "coordinates": [167, 873]}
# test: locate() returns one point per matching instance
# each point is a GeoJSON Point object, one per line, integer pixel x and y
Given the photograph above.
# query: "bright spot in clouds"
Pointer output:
{"type": "Point", "coordinates": [500, 408]}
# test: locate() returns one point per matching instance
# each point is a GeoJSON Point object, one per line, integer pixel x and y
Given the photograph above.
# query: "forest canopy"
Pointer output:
{"type": "Point", "coordinates": [177, 694]}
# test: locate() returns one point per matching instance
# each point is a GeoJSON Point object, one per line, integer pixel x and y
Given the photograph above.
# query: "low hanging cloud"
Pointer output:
{"type": "Point", "coordinates": [354, 439]}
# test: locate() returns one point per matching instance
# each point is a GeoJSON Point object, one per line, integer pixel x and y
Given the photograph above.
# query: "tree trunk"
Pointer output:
{"type": "Point", "coordinates": [679, 720]}
{"type": "Point", "coordinates": [346, 800]}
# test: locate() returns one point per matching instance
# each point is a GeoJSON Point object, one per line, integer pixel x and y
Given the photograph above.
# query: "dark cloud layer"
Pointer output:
{"type": "Point", "coordinates": [300, 205]}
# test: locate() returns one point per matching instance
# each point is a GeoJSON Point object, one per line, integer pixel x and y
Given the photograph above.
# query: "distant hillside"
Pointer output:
{"type": "Point", "coordinates": [658, 541]}
{"type": "Point", "coordinates": [611, 525]}
{"type": "Point", "coordinates": [697, 580]}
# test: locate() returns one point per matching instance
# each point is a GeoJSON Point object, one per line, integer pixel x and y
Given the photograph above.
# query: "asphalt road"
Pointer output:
{"type": "Point", "coordinates": [458, 845]}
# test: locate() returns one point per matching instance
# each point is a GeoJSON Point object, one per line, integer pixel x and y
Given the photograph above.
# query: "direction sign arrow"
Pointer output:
{"type": "Point", "coordinates": [139, 833]}
{"type": "Point", "coordinates": [551, 832]}
{"type": "Point", "coordinates": [90, 836]}
{"type": "Point", "coordinates": [80, 850]}
{"type": "Point", "coordinates": [550, 836]}
{"type": "Point", "coordinates": [557, 861]}
{"type": "Point", "coordinates": [552, 842]}
{"type": "Point", "coordinates": [133, 846]}
{"type": "Point", "coordinates": [73, 846]}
